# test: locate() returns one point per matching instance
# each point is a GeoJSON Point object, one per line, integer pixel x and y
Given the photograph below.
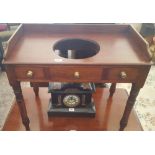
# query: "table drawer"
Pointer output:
{"type": "Point", "coordinates": [120, 74]}
{"type": "Point", "coordinates": [29, 73]}
{"type": "Point", "coordinates": [75, 73]}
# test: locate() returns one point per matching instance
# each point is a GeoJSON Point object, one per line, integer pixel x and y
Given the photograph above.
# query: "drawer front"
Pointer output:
{"type": "Point", "coordinates": [120, 74]}
{"type": "Point", "coordinates": [75, 74]}
{"type": "Point", "coordinates": [30, 73]}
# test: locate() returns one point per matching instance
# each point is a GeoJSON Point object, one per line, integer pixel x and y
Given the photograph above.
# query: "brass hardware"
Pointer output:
{"type": "Point", "coordinates": [29, 74]}
{"type": "Point", "coordinates": [77, 75]}
{"type": "Point", "coordinates": [123, 75]}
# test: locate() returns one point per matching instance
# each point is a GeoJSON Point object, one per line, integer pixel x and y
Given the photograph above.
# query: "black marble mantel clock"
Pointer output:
{"type": "Point", "coordinates": [71, 99]}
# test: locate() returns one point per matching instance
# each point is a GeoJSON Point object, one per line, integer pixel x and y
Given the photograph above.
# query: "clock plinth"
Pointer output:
{"type": "Point", "coordinates": [87, 111]}
{"type": "Point", "coordinates": [71, 99]}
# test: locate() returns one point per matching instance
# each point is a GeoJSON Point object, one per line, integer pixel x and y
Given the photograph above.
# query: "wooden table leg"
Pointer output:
{"type": "Point", "coordinates": [21, 104]}
{"type": "Point", "coordinates": [129, 105]}
{"type": "Point", "coordinates": [112, 89]}
{"type": "Point", "coordinates": [35, 88]}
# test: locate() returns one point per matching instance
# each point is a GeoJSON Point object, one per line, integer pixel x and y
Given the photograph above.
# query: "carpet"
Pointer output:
{"type": "Point", "coordinates": [144, 107]}
{"type": "Point", "coordinates": [6, 98]}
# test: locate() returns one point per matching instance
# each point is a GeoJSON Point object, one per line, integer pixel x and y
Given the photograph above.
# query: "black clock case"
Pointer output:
{"type": "Point", "coordinates": [86, 106]}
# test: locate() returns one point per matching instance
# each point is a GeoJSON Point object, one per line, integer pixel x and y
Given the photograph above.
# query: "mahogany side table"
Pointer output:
{"type": "Point", "coordinates": [122, 56]}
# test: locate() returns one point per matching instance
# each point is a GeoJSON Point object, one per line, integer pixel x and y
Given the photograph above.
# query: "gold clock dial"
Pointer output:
{"type": "Point", "coordinates": [71, 101]}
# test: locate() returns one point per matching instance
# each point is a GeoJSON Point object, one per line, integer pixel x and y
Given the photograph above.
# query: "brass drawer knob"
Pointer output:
{"type": "Point", "coordinates": [123, 75]}
{"type": "Point", "coordinates": [77, 75]}
{"type": "Point", "coordinates": [29, 74]}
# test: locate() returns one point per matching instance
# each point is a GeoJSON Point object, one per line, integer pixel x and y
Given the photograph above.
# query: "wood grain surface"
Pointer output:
{"type": "Point", "coordinates": [118, 44]}
{"type": "Point", "coordinates": [108, 114]}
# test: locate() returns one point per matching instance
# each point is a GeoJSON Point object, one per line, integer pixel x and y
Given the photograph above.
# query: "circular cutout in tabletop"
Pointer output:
{"type": "Point", "coordinates": [76, 48]}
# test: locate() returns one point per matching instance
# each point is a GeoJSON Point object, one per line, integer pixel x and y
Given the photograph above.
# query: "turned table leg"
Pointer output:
{"type": "Point", "coordinates": [35, 88]}
{"type": "Point", "coordinates": [21, 104]}
{"type": "Point", "coordinates": [112, 89]}
{"type": "Point", "coordinates": [129, 105]}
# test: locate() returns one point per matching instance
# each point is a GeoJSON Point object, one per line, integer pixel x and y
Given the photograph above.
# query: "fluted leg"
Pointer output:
{"type": "Point", "coordinates": [21, 104]}
{"type": "Point", "coordinates": [129, 105]}
{"type": "Point", "coordinates": [112, 89]}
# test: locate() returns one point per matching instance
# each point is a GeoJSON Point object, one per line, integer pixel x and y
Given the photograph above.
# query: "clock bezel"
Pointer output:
{"type": "Point", "coordinates": [71, 106]}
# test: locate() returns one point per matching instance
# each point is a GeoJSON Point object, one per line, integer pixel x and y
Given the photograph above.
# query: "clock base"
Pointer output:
{"type": "Point", "coordinates": [87, 111]}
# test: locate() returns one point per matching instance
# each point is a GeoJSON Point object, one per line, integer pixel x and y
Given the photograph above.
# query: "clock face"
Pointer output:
{"type": "Point", "coordinates": [71, 101]}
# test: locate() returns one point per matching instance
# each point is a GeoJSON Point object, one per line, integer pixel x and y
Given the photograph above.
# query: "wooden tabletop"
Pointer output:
{"type": "Point", "coordinates": [35, 46]}
{"type": "Point", "coordinates": [108, 114]}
